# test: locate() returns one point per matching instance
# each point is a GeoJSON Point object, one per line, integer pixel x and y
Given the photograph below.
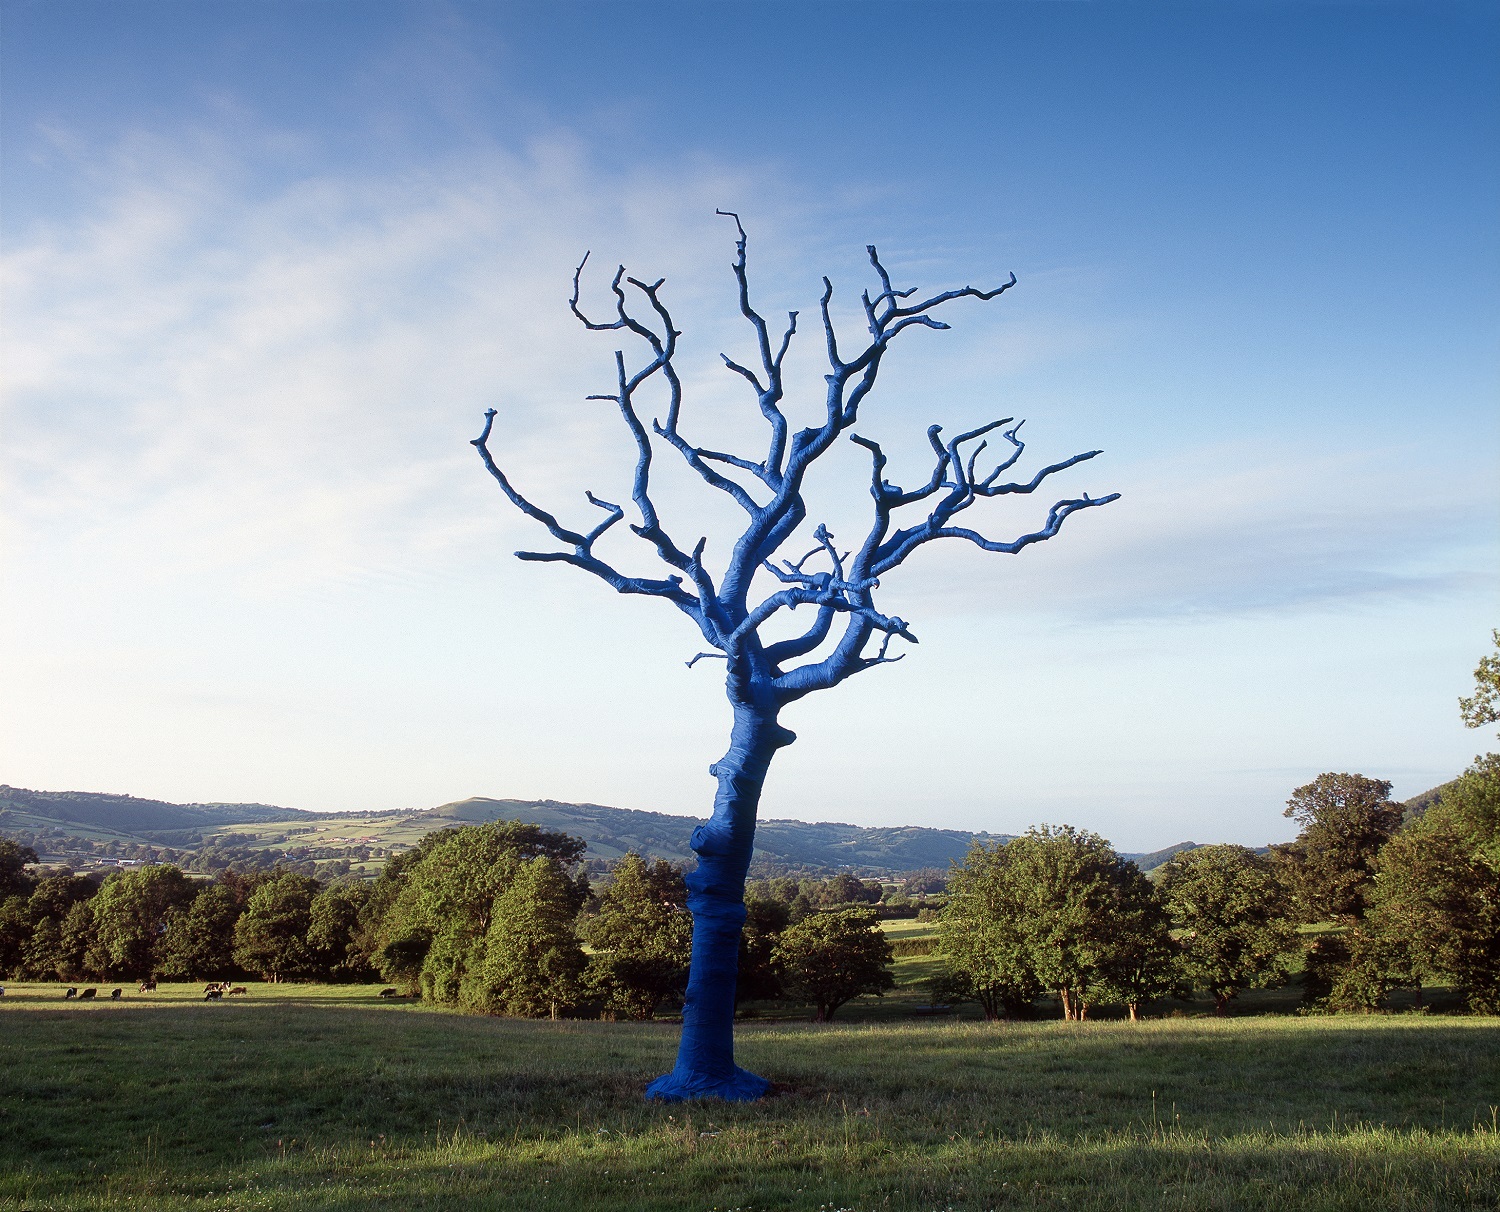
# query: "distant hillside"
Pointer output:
{"type": "Point", "coordinates": [84, 828]}
{"type": "Point", "coordinates": [1419, 804]}
{"type": "Point", "coordinates": [610, 832]}
{"type": "Point", "coordinates": [129, 815]}
{"type": "Point", "coordinates": [1157, 858]}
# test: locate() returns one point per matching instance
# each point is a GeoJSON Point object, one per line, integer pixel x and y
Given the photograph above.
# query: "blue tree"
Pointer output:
{"type": "Point", "coordinates": [763, 674]}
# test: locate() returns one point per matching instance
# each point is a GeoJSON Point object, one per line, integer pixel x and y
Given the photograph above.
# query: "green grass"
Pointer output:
{"type": "Point", "coordinates": [324, 1097]}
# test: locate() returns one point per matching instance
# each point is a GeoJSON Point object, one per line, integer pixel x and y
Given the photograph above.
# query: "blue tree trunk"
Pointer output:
{"type": "Point", "coordinates": [716, 895]}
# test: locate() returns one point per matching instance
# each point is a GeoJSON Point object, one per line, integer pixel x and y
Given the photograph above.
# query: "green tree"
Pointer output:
{"type": "Point", "coordinates": [1140, 956]}
{"type": "Point", "coordinates": [1484, 707]}
{"type": "Point", "coordinates": [642, 937]}
{"type": "Point", "coordinates": [54, 895]}
{"type": "Point", "coordinates": [41, 958]}
{"type": "Point", "coordinates": [532, 964]}
{"type": "Point", "coordinates": [199, 943]}
{"type": "Point", "coordinates": [983, 933]}
{"type": "Point", "coordinates": [829, 958]}
{"type": "Point", "coordinates": [79, 952]}
{"type": "Point", "coordinates": [270, 937]}
{"type": "Point", "coordinates": [1330, 867]}
{"type": "Point", "coordinates": [759, 978]}
{"type": "Point", "coordinates": [1231, 914]}
{"type": "Point", "coordinates": [333, 932]}
{"type": "Point", "coordinates": [15, 933]}
{"type": "Point", "coordinates": [1437, 893]}
{"type": "Point", "coordinates": [431, 909]}
{"type": "Point", "coordinates": [130, 913]}
{"type": "Point", "coordinates": [1055, 909]}
{"type": "Point", "coordinates": [14, 859]}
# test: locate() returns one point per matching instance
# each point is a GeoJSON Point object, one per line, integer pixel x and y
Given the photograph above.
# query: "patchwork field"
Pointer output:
{"type": "Point", "coordinates": [327, 1097]}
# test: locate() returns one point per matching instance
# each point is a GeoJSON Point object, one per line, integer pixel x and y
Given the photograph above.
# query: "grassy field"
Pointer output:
{"type": "Point", "coordinates": [325, 1097]}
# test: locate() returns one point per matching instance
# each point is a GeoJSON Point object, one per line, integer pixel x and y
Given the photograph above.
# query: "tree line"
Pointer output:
{"type": "Point", "coordinates": [498, 918]}
{"type": "Point", "coordinates": [502, 918]}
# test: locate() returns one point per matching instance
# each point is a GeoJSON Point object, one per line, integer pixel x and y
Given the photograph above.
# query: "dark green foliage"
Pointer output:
{"type": "Point", "coordinates": [15, 933]}
{"type": "Point", "coordinates": [759, 979]}
{"type": "Point", "coordinates": [50, 953]}
{"type": "Point", "coordinates": [13, 862]}
{"type": "Point", "coordinates": [78, 949]}
{"type": "Point", "coordinates": [831, 957]}
{"type": "Point", "coordinates": [1436, 902]}
{"type": "Point", "coordinates": [1231, 914]}
{"type": "Point", "coordinates": [333, 932]}
{"type": "Point", "coordinates": [1345, 971]}
{"type": "Point", "coordinates": [642, 938]}
{"type": "Point", "coordinates": [130, 913]}
{"type": "Point", "coordinates": [431, 909]}
{"type": "Point", "coordinates": [1484, 707]}
{"type": "Point", "coordinates": [1140, 956]}
{"type": "Point", "coordinates": [199, 943]}
{"type": "Point", "coordinates": [984, 932]}
{"type": "Point", "coordinates": [531, 965]}
{"type": "Point", "coordinates": [1056, 909]}
{"type": "Point", "coordinates": [1330, 867]}
{"type": "Point", "coordinates": [270, 937]}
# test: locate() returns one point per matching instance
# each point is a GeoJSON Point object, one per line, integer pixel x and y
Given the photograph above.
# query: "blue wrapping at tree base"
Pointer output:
{"type": "Point", "coordinates": [716, 896]}
{"type": "Point", "coordinates": [763, 675]}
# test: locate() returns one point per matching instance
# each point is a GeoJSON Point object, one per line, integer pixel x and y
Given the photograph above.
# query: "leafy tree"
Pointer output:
{"type": "Point", "coordinates": [54, 895]}
{"type": "Point", "coordinates": [1484, 707]}
{"type": "Point", "coordinates": [1437, 894]}
{"type": "Point", "coordinates": [1140, 956]}
{"type": "Point", "coordinates": [984, 934]}
{"type": "Point", "coordinates": [846, 889]}
{"type": "Point", "coordinates": [333, 932]}
{"type": "Point", "coordinates": [14, 859]}
{"type": "Point", "coordinates": [1055, 909]}
{"type": "Point", "coordinates": [759, 978]}
{"type": "Point", "coordinates": [1231, 914]}
{"type": "Point", "coordinates": [270, 937]}
{"type": "Point", "coordinates": [1347, 970]}
{"type": "Point", "coordinates": [79, 952]}
{"type": "Point", "coordinates": [199, 943]}
{"type": "Point", "coordinates": [15, 931]}
{"type": "Point", "coordinates": [830, 958]}
{"type": "Point", "coordinates": [131, 911]}
{"type": "Point", "coordinates": [532, 964]}
{"type": "Point", "coordinates": [1346, 819]}
{"type": "Point", "coordinates": [41, 957]}
{"type": "Point", "coordinates": [432, 907]}
{"type": "Point", "coordinates": [642, 937]}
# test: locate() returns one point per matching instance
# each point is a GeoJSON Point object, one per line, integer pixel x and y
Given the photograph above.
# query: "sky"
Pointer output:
{"type": "Point", "coordinates": [266, 265]}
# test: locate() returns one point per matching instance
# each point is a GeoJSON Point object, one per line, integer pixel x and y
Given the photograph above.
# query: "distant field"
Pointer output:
{"type": "Point", "coordinates": [326, 1097]}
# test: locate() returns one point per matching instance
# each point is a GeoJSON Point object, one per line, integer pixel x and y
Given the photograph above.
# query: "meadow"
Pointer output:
{"type": "Point", "coordinates": [327, 1097]}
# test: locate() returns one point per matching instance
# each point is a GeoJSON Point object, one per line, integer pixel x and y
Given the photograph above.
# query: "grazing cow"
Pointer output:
{"type": "Point", "coordinates": [238, 991]}
{"type": "Point", "coordinates": [389, 993]}
{"type": "Point", "coordinates": [72, 992]}
{"type": "Point", "coordinates": [148, 985]}
{"type": "Point", "coordinates": [87, 993]}
{"type": "Point", "coordinates": [2, 990]}
{"type": "Point", "coordinates": [114, 994]}
{"type": "Point", "coordinates": [212, 995]}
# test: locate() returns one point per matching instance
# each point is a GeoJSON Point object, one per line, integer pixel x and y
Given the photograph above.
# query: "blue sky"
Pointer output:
{"type": "Point", "coordinates": [266, 265]}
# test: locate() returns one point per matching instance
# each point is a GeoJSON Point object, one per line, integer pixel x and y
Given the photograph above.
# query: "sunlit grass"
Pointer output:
{"type": "Point", "coordinates": [327, 1097]}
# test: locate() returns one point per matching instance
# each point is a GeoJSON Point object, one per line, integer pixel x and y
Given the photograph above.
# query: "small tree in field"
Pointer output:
{"type": "Point", "coordinates": [738, 619]}
{"type": "Point", "coordinates": [1345, 819]}
{"type": "Point", "coordinates": [830, 958]}
{"type": "Point", "coordinates": [642, 937]}
{"type": "Point", "coordinates": [1231, 913]}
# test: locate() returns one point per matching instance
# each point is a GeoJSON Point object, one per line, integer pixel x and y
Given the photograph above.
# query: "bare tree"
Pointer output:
{"type": "Point", "coordinates": [848, 634]}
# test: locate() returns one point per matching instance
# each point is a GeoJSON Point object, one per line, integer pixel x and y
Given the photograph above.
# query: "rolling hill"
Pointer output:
{"type": "Point", "coordinates": [88, 828]}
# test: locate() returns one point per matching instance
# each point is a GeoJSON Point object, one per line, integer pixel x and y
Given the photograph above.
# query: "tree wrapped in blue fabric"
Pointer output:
{"type": "Point", "coordinates": [848, 634]}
